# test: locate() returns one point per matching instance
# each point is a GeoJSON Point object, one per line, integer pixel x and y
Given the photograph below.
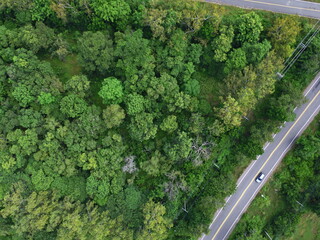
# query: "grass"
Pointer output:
{"type": "Point", "coordinates": [308, 228]}
{"type": "Point", "coordinates": [266, 204]}
{"type": "Point", "coordinates": [209, 88]}
{"type": "Point", "coordinates": [65, 69]}
{"type": "Point", "coordinates": [317, 1]}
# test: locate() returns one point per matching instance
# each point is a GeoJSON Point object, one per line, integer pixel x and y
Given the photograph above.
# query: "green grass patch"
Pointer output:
{"type": "Point", "coordinates": [317, 1]}
{"type": "Point", "coordinates": [267, 204]}
{"type": "Point", "coordinates": [308, 228]}
{"type": "Point", "coordinates": [209, 88]}
{"type": "Point", "coordinates": [65, 69]}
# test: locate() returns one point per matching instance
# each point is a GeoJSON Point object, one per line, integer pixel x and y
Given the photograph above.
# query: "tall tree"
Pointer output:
{"type": "Point", "coordinates": [156, 225]}
{"type": "Point", "coordinates": [96, 51]}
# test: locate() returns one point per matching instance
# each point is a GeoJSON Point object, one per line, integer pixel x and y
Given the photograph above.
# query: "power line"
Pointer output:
{"type": "Point", "coordinates": [304, 43]}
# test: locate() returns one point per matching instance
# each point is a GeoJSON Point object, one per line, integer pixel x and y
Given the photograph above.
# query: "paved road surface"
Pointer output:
{"type": "Point", "coordinates": [226, 218]}
{"type": "Point", "coordinates": [297, 7]}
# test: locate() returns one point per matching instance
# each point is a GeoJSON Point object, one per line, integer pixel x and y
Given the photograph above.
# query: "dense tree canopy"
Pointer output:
{"type": "Point", "coordinates": [125, 119]}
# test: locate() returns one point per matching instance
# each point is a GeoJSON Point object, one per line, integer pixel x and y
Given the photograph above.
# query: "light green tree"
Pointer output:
{"type": "Point", "coordinates": [169, 124]}
{"type": "Point", "coordinates": [113, 115]}
{"type": "Point", "coordinates": [230, 112]}
{"type": "Point", "coordinates": [111, 91]}
{"type": "Point", "coordinates": [156, 226]}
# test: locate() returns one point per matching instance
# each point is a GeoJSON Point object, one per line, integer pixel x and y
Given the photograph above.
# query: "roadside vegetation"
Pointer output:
{"type": "Point", "coordinates": [287, 207]}
{"type": "Point", "coordinates": [133, 119]}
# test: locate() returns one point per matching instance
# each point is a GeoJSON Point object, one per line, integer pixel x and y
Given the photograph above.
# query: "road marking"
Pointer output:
{"type": "Point", "coordinates": [243, 177]}
{"type": "Point", "coordinates": [265, 163]}
{"type": "Point", "coordinates": [260, 186]}
{"type": "Point", "coordinates": [220, 211]}
{"type": "Point", "coordinates": [266, 146]}
{"type": "Point", "coordinates": [285, 6]}
{"type": "Point", "coordinates": [248, 171]}
{"type": "Point", "coordinates": [312, 86]}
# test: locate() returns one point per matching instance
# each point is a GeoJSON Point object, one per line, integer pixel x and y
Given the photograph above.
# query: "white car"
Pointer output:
{"type": "Point", "coordinates": [260, 177]}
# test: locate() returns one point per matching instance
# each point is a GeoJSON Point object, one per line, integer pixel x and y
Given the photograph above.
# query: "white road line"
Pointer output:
{"type": "Point", "coordinates": [273, 136]}
{"type": "Point", "coordinates": [220, 211]}
{"type": "Point", "coordinates": [247, 172]}
{"type": "Point", "coordinates": [266, 146]}
{"type": "Point", "coordinates": [216, 217]}
{"type": "Point", "coordinates": [260, 186]}
{"type": "Point", "coordinates": [311, 86]}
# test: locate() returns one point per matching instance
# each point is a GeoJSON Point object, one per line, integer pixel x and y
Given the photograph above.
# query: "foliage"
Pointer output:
{"type": "Point", "coordinates": [95, 51]}
{"type": "Point", "coordinates": [138, 107]}
{"type": "Point", "coordinates": [111, 91]}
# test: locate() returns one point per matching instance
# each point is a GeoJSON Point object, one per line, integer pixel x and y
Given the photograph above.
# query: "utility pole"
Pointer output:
{"type": "Point", "coordinates": [299, 203]}
{"type": "Point", "coordinates": [268, 235]}
{"type": "Point", "coordinates": [300, 49]}
{"type": "Point", "coordinates": [184, 208]}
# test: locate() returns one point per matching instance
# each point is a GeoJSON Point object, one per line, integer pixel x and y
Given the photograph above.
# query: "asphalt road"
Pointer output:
{"type": "Point", "coordinates": [296, 7]}
{"type": "Point", "coordinates": [227, 217]}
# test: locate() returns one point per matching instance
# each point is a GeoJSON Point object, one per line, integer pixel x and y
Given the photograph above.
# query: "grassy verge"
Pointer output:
{"type": "Point", "coordinates": [267, 204]}
{"type": "Point", "coordinates": [317, 1]}
{"type": "Point", "coordinates": [308, 228]}
{"type": "Point", "coordinates": [270, 202]}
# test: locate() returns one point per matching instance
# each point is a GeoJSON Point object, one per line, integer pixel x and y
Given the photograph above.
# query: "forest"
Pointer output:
{"type": "Point", "coordinates": [132, 119]}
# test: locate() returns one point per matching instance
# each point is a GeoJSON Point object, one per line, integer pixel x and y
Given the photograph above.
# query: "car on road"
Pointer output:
{"type": "Point", "coordinates": [260, 177]}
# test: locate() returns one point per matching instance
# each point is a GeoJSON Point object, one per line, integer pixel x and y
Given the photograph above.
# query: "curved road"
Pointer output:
{"type": "Point", "coordinates": [296, 7]}
{"type": "Point", "coordinates": [226, 218]}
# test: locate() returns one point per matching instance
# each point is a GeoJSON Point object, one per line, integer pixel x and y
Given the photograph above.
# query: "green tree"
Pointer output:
{"type": "Point", "coordinates": [23, 95]}
{"type": "Point", "coordinates": [283, 33]}
{"type": "Point", "coordinates": [281, 109]}
{"type": "Point", "coordinates": [72, 105]}
{"type": "Point", "coordinates": [135, 103]}
{"type": "Point", "coordinates": [111, 10]}
{"type": "Point", "coordinates": [78, 84]}
{"type": "Point", "coordinates": [46, 98]}
{"type": "Point", "coordinates": [236, 60]}
{"type": "Point", "coordinates": [36, 38]}
{"type": "Point", "coordinates": [135, 60]}
{"type": "Point", "coordinates": [113, 115]}
{"type": "Point", "coordinates": [248, 28]}
{"type": "Point", "coordinates": [142, 127]}
{"type": "Point", "coordinates": [16, 4]}
{"type": "Point", "coordinates": [155, 224]}
{"type": "Point", "coordinates": [96, 51]}
{"type": "Point", "coordinates": [133, 198]}
{"type": "Point", "coordinates": [41, 181]}
{"type": "Point", "coordinates": [256, 52]}
{"type": "Point", "coordinates": [222, 44]}
{"type": "Point", "coordinates": [41, 10]}
{"type": "Point", "coordinates": [169, 124]}
{"type": "Point", "coordinates": [111, 91]}
{"type": "Point", "coordinates": [230, 112]}
{"type": "Point", "coordinates": [155, 165]}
